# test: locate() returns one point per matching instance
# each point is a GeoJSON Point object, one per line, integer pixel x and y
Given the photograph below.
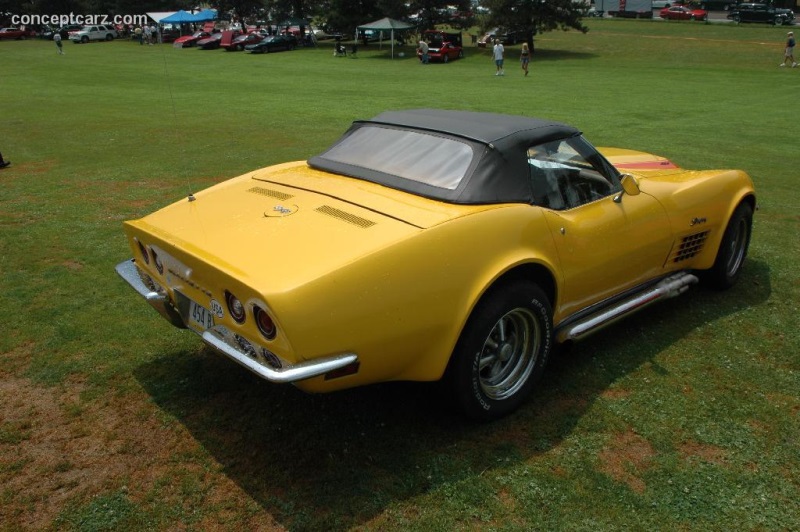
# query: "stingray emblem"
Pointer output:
{"type": "Point", "coordinates": [281, 210]}
{"type": "Point", "coordinates": [696, 221]}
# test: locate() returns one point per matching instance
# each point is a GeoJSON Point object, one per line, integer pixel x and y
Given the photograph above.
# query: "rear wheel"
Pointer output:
{"type": "Point", "coordinates": [732, 250]}
{"type": "Point", "coordinates": [502, 351]}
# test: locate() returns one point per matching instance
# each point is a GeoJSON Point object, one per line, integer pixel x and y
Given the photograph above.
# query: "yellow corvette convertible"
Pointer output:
{"type": "Point", "coordinates": [428, 244]}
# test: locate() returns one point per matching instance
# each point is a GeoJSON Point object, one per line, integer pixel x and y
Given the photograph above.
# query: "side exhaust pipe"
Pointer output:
{"type": "Point", "coordinates": [668, 288]}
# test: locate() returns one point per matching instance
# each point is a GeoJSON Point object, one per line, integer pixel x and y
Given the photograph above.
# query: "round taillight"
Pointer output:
{"type": "Point", "coordinates": [235, 307]}
{"type": "Point", "coordinates": [157, 261]}
{"type": "Point", "coordinates": [264, 323]}
{"type": "Point", "coordinates": [143, 253]}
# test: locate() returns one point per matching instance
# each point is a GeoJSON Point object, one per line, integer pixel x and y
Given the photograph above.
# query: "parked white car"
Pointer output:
{"type": "Point", "coordinates": [97, 32]}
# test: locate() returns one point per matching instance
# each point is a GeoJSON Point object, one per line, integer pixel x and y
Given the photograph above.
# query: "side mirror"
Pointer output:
{"type": "Point", "coordinates": [629, 187]}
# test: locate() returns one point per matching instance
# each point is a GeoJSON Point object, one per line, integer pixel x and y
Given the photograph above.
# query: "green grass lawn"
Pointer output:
{"type": "Point", "coordinates": [687, 417]}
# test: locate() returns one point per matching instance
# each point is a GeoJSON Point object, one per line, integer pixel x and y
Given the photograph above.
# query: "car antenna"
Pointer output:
{"type": "Point", "coordinates": [190, 197]}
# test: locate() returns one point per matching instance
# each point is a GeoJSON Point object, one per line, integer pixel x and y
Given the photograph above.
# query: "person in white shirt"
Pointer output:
{"type": "Point", "coordinates": [423, 51]}
{"type": "Point", "coordinates": [59, 44]}
{"type": "Point", "coordinates": [498, 53]}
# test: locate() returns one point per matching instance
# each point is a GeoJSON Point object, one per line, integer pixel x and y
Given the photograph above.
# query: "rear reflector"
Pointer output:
{"type": "Point", "coordinates": [350, 369]}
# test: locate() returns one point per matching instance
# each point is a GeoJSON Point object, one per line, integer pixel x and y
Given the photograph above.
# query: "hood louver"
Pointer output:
{"type": "Point", "coordinates": [270, 193]}
{"type": "Point", "coordinates": [345, 216]}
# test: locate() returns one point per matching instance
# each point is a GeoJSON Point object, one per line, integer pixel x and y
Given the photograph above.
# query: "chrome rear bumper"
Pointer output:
{"type": "Point", "coordinates": [157, 299]}
{"type": "Point", "coordinates": [229, 343]}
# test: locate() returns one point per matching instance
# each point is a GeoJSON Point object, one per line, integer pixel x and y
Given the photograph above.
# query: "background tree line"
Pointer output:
{"type": "Point", "coordinates": [525, 17]}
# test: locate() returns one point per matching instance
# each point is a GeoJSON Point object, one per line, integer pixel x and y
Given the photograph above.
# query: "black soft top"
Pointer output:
{"type": "Point", "coordinates": [493, 170]}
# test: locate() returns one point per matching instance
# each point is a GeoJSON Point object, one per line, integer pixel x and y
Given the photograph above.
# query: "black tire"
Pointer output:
{"type": "Point", "coordinates": [502, 351]}
{"type": "Point", "coordinates": [84, 39]}
{"type": "Point", "coordinates": [732, 250]}
{"type": "Point", "coordinates": [109, 37]}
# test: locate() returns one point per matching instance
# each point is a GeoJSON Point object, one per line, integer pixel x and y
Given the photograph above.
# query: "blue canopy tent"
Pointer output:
{"type": "Point", "coordinates": [205, 15]}
{"type": "Point", "coordinates": [179, 17]}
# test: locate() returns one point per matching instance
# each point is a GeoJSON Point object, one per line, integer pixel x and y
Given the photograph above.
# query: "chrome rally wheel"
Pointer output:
{"type": "Point", "coordinates": [732, 250]}
{"type": "Point", "coordinates": [509, 354]}
{"type": "Point", "coordinates": [502, 350]}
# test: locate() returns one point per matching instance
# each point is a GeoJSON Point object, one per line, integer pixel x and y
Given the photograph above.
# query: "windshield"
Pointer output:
{"type": "Point", "coordinates": [418, 156]}
{"type": "Point", "coordinates": [567, 173]}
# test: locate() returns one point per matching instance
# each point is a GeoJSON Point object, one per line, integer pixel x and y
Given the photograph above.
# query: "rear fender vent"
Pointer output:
{"type": "Point", "coordinates": [345, 216]}
{"type": "Point", "coordinates": [690, 246]}
{"type": "Point", "coordinates": [270, 193]}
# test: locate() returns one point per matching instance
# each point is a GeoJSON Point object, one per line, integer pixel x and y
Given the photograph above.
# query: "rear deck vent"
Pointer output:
{"type": "Point", "coordinates": [270, 193]}
{"type": "Point", "coordinates": [345, 216]}
{"type": "Point", "coordinates": [690, 246]}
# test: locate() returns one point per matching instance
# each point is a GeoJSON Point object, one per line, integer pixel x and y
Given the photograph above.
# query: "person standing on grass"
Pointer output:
{"type": "Point", "coordinates": [788, 54]}
{"type": "Point", "coordinates": [423, 52]}
{"type": "Point", "coordinates": [498, 53]}
{"type": "Point", "coordinates": [525, 57]}
{"type": "Point", "coordinates": [59, 44]}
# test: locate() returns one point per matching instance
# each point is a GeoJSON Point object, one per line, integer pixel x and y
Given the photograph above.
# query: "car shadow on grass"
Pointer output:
{"type": "Point", "coordinates": [336, 461]}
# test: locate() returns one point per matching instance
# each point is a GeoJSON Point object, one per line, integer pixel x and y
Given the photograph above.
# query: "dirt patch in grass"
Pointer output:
{"type": "Point", "coordinates": [625, 458]}
{"type": "Point", "coordinates": [693, 451]}
{"type": "Point", "coordinates": [615, 393]}
{"type": "Point", "coordinates": [59, 451]}
{"type": "Point", "coordinates": [31, 168]}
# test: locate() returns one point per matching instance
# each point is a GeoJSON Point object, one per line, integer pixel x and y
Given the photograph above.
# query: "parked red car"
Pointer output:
{"type": "Point", "coordinates": [238, 44]}
{"type": "Point", "coordinates": [13, 33]}
{"type": "Point", "coordinates": [187, 41]}
{"type": "Point", "coordinates": [215, 40]}
{"type": "Point", "coordinates": [683, 13]}
{"type": "Point", "coordinates": [442, 46]}
{"type": "Point", "coordinates": [209, 43]}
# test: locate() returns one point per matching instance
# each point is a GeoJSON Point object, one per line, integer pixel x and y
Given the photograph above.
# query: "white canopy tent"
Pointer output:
{"type": "Point", "coordinates": [386, 24]}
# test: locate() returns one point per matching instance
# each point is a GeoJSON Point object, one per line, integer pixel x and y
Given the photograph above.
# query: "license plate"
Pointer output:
{"type": "Point", "coordinates": [200, 317]}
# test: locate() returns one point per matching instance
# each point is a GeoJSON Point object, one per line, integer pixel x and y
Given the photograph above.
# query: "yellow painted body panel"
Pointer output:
{"type": "Point", "coordinates": [347, 266]}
